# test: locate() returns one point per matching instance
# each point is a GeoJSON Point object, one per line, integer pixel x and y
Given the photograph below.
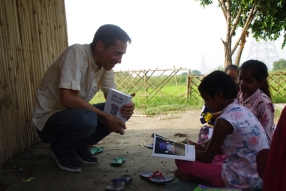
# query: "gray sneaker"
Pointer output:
{"type": "Point", "coordinates": [84, 156]}
{"type": "Point", "coordinates": [67, 162]}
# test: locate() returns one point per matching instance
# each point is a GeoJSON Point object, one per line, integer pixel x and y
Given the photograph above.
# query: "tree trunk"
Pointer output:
{"type": "Point", "coordinates": [227, 55]}
{"type": "Point", "coordinates": [227, 43]}
{"type": "Point", "coordinates": [238, 56]}
{"type": "Point", "coordinates": [241, 47]}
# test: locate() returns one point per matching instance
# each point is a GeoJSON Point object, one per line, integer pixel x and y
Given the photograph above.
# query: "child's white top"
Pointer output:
{"type": "Point", "coordinates": [241, 148]}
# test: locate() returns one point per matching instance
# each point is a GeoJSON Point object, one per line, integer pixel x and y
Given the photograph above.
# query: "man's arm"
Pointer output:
{"type": "Point", "coordinates": [70, 99]}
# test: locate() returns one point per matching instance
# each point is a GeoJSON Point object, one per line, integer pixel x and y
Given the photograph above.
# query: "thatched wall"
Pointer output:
{"type": "Point", "coordinates": [33, 33]}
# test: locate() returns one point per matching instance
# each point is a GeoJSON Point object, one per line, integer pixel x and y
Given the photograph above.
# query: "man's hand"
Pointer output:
{"type": "Point", "coordinates": [113, 124]}
{"type": "Point", "coordinates": [127, 110]}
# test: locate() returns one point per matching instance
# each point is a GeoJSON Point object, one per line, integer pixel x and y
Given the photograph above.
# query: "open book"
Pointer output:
{"type": "Point", "coordinates": [114, 101]}
{"type": "Point", "coordinates": [167, 148]}
{"type": "Point", "coordinates": [206, 188]}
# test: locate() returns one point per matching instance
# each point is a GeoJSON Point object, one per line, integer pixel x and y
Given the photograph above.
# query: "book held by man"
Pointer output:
{"type": "Point", "coordinates": [114, 101]}
{"type": "Point", "coordinates": [167, 148]}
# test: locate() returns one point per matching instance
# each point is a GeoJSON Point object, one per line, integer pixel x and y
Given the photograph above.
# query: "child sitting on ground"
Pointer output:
{"type": "Point", "coordinates": [207, 117]}
{"type": "Point", "coordinates": [255, 95]}
{"type": "Point", "coordinates": [237, 134]}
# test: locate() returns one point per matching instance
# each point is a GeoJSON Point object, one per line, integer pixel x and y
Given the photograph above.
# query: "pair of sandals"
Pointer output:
{"type": "Point", "coordinates": [120, 183]}
{"type": "Point", "coordinates": [156, 177]}
{"type": "Point", "coordinates": [118, 161]}
{"type": "Point", "coordinates": [95, 150]}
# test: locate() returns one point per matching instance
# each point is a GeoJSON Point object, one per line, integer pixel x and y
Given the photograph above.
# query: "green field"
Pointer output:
{"type": "Point", "coordinates": [160, 94]}
{"type": "Point", "coordinates": [170, 98]}
{"type": "Point", "coordinates": [155, 104]}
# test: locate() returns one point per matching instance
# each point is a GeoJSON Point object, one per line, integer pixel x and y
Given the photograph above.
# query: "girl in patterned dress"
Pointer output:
{"type": "Point", "coordinates": [255, 94]}
{"type": "Point", "coordinates": [237, 134]}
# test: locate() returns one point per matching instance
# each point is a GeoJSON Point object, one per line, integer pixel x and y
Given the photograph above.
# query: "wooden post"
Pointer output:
{"type": "Point", "coordinates": [145, 83]}
{"type": "Point", "coordinates": [175, 76]}
{"type": "Point", "coordinates": [188, 83]}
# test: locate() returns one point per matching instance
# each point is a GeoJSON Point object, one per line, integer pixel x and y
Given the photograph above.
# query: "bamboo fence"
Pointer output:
{"type": "Point", "coordinates": [33, 33]}
{"type": "Point", "coordinates": [276, 80]}
{"type": "Point", "coordinates": [151, 83]}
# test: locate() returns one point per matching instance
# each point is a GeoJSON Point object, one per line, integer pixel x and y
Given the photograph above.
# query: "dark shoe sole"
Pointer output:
{"type": "Point", "coordinates": [59, 165]}
{"type": "Point", "coordinates": [83, 161]}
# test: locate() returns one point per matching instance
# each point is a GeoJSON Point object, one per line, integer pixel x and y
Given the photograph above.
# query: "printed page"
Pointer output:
{"type": "Point", "coordinates": [114, 101]}
{"type": "Point", "coordinates": [166, 148]}
{"type": "Point", "coordinates": [206, 188]}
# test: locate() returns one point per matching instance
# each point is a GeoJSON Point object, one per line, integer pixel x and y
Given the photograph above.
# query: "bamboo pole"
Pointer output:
{"type": "Point", "coordinates": [28, 47]}
{"type": "Point", "coordinates": [188, 84]}
{"type": "Point", "coordinates": [175, 77]}
{"type": "Point", "coordinates": [9, 142]}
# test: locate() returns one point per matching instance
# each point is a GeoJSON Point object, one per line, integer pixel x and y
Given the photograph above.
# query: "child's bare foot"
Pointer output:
{"type": "Point", "coordinates": [181, 176]}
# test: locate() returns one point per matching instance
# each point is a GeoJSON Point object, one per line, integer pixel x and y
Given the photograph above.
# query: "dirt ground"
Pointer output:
{"type": "Point", "coordinates": [36, 170]}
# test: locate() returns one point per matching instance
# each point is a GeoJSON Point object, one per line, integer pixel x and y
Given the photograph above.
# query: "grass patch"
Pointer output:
{"type": "Point", "coordinates": [164, 105]}
{"type": "Point", "coordinates": [159, 104]}
{"type": "Point", "coordinates": [277, 114]}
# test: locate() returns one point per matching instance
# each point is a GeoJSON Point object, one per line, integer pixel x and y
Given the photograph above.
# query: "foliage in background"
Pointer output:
{"type": "Point", "coordinates": [279, 65]}
{"type": "Point", "coordinates": [196, 72]}
{"type": "Point", "coordinates": [265, 18]}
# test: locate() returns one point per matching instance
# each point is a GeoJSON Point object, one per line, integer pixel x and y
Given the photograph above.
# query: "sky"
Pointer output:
{"type": "Point", "coordinates": [164, 33]}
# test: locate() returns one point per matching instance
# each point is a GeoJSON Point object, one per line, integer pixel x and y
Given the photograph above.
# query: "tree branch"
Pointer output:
{"type": "Point", "coordinates": [235, 23]}
{"type": "Point", "coordinates": [223, 8]}
{"type": "Point", "coordinates": [228, 20]}
{"type": "Point", "coordinates": [252, 13]}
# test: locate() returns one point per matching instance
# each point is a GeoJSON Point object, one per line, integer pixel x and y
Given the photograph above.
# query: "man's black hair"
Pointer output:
{"type": "Point", "coordinates": [231, 67]}
{"type": "Point", "coordinates": [219, 81]}
{"type": "Point", "coordinates": [108, 34]}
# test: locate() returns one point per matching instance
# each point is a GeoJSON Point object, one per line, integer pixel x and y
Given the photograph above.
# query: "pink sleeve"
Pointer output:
{"type": "Point", "coordinates": [265, 111]}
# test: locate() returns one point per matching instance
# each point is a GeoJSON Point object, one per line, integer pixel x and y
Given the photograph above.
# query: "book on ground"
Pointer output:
{"type": "Point", "coordinates": [206, 188]}
{"type": "Point", "coordinates": [114, 101]}
{"type": "Point", "coordinates": [167, 148]}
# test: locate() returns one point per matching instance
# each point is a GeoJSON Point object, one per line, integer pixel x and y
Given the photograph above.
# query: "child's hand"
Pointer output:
{"type": "Point", "coordinates": [197, 146]}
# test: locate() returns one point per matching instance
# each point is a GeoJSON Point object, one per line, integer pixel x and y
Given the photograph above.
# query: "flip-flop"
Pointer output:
{"type": "Point", "coordinates": [150, 146]}
{"type": "Point", "coordinates": [156, 177]}
{"type": "Point", "coordinates": [95, 150]}
{"type": "Point", "coordinates": [118, 161]}
{"type": "Point", "coordinates": [120, 183]}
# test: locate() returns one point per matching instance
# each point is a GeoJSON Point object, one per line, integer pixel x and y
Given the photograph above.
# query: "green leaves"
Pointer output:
{"type": "Point", "coordinates": [279, 65]}
{"type": "Point", "coordinates": [266, 19]}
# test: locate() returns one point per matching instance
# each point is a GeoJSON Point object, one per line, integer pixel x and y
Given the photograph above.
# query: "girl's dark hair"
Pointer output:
{"type": "Point", "coordinates": [219, 81]}
{"type": "Point", "coordinates": [108, 34]}
{"type": "Point", "coordinates": [260, 72]}
{"type": "Point", "coordinates": [231, 67]}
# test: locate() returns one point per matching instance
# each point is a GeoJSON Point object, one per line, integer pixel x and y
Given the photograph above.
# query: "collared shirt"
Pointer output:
{"type": "Point", "coordinates": [241, 147]}
{"type": "Point", "coordinates": [76, 70]}
{"type": "Point", "coordinates": [262, 107]}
